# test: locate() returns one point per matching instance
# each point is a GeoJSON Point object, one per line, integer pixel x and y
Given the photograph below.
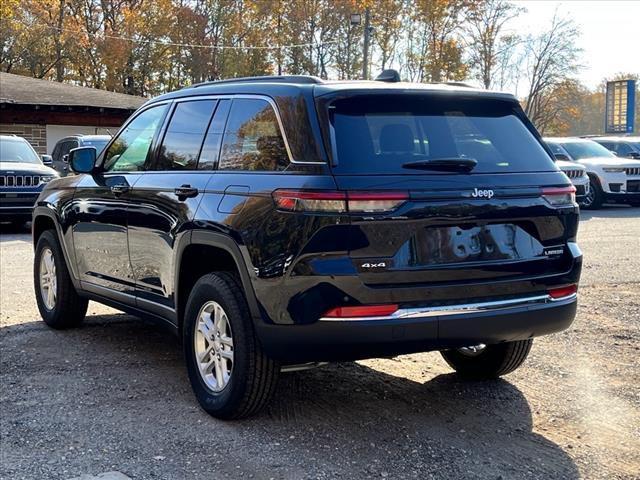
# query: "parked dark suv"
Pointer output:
{"type": "Point", "coordinates": [278, 222]}
{"type": "Point", "coordinates": [60, 154]}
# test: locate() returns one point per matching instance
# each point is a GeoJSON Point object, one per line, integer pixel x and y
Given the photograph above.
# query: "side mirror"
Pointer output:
{"type": "Point", "coordinates": [634, 155]}
{"type": "Point", "coordinates": [561, 156]}
{"type": "Point", "coordinates": [47, 160]}
{"type": "Point", "coordinates": [83, 159]}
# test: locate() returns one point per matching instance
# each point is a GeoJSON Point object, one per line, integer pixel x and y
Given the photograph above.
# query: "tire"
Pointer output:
{"type": "Point", "coordinates": [252, 376]}
{"type": "Point", "coordinates": [68, 308]}
{"type": "Point", "coordinates": [595, 198]}
{"type": "Point", "coordinates": [491, 362]}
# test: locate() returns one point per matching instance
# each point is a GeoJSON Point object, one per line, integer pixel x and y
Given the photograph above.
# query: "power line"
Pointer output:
{"type": "Point", "coordinates": [186, 45]}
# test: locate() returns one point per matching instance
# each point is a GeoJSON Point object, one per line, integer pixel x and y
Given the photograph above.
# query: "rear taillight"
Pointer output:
{"type": "Point", "coordinates": [562, 292]}
{"type": "Point", "coordinates": [560, 196]}
{"type": "Point", "coordinates": [361, 311]}
{"type": "Point", "coordinates": [306, 201]}
{"type": "Point", "coordinates": [338, 202]}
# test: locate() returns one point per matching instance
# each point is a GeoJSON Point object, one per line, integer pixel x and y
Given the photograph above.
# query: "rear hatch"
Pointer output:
{"type": "Point", "coordinates": [459, 190]}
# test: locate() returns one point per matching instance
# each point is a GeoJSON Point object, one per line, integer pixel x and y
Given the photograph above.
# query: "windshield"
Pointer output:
{"type": "Point", "coordinates": [99, 144]}
{"type": "Point", "coordinates": [17, 151]}
{"type": "Point", "coordinates": [383, 134]}
{"type": "Point", "coordinates": [586, 149]}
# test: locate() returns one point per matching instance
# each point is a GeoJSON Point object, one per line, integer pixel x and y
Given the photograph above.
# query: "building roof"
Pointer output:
{"type": "Point", "coordinates": [21, 90]}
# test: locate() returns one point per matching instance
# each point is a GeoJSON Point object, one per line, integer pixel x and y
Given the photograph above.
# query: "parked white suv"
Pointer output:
{"type": "Point", "coordinates": [611, 179]}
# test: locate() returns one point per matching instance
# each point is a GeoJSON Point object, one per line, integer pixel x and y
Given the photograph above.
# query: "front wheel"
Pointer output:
{"type": "Point", "coordinates": [58, 301]}
{"type": "Point", "coordinates": [594, 197]}
{"type": "Point", "coordinates": [229, 373]}
{"type": "Point", "coordinates": [488, 361]}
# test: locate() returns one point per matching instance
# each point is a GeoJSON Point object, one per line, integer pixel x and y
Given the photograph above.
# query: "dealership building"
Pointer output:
{"type": "Point", "coordinates": [43, 112]}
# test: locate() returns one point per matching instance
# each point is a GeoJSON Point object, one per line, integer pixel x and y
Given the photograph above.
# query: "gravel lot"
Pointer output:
{"type": "Point", "coordinates": [113, 396]}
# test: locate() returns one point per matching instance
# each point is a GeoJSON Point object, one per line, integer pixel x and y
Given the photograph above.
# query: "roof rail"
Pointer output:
{"type": "Point", "coordinates": [300, 79]}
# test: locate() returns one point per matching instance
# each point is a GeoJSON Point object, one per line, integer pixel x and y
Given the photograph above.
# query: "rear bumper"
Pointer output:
{"type": "Point", "coordinates": [425, 330]}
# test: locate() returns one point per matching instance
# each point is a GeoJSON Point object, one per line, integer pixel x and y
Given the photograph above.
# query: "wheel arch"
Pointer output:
{"type": "Point", "coordinates": [44, 219]}
{"type": "Point", "coordinates": [203, 252]}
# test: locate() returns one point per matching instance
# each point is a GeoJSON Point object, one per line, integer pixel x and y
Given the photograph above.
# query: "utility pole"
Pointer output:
{"type": "Point", "coordinates": [367, 35]}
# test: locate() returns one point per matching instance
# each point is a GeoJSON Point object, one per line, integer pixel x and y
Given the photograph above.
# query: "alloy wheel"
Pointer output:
{"type": "Point", "coordinates": [213, 346]}
{"type": "Point", "coordinates": [48, 279]}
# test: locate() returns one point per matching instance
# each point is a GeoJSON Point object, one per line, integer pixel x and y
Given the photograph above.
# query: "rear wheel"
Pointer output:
{"type": "Point", "coordinates": [594, 197]}
{"type": "Point", "coordinates": [58, 302]}
{"type": "Point", "coordinates": [488, 361]}
{"type": "Point", "coordinates": [230, 375]}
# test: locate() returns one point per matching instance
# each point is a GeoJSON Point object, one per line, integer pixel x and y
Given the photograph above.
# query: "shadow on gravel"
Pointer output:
{"type": "Point", "coordinates": [116, 387]}
{"type": "Point", "coordinates": [14, 231]}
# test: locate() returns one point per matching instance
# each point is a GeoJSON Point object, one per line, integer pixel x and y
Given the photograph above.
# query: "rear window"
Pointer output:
{"type": "Point", "coordinates": [376, 134]}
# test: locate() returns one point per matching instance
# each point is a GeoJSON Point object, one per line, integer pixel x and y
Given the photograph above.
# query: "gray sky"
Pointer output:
{"type": "Point", "coordinates": [610, 33]}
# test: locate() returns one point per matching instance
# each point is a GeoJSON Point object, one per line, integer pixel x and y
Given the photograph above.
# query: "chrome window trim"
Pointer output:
{"type": "Point", "coordinates": [460, 309]}
{"type": "Point", "coordinates": [274, 106]}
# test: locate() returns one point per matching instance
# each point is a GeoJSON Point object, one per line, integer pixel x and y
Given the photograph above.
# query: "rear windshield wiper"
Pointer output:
{"type": "Point", "coordinates": [453, 164]}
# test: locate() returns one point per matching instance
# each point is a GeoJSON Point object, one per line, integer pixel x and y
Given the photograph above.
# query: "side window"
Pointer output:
{"type": "Point", "coordinates": [211, 148]}
{"type": "Point", "coordinates": [184, 136]}
{"type": "Point", "coordinates": [252, 138]}
{"type": "Point", "coordinates": [66, 148]}
{"type": "Point", "coordinates": [623, 149]}
{"type": "Point", "coordinates": [129, 150]}
{"type": "Point", "coordinates": [56, 155]}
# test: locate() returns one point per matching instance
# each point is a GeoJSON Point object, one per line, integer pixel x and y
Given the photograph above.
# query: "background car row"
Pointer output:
{"type": "Point", "coordinates": [611, 178]}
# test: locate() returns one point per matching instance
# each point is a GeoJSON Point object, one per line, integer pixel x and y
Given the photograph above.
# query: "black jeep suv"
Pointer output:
{"type": "Point", "coordinates": [279, 222]}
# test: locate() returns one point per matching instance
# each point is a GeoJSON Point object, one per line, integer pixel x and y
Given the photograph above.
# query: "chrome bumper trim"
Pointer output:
{"type": "Point", "coordinates": [460, 309]}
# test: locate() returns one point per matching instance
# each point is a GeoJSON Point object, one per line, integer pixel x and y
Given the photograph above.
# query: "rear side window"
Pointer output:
{"type": "Point", "coordinates": [211, 147]}
{"type": "Point", "coordinates": [252, 138]}
{"type": "Point", "coordinates": [182, 141]}
{"type": "Point", "coordinates": [377, 134]}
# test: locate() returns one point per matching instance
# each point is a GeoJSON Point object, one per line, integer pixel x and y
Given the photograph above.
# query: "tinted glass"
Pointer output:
{"type": "Point", "coordinates": [98, 144]}
{"type": "Point", "coordinates": [378, 134]}
{"type": "Point", "coordinates": [211, 148]}
{"type": "Point", "coordinates": [17, 151]}
{"type": "Point", "coordinates": [129, 150]}
{"type": "Point", "coordinates": [623, 149]}
{"type": "Point", "coordinates": [252, 138]}
{"type": "Point", "coordinates": [586, 149]}
{"type": "Point", "coordinates": [183, 139]}
{"type": "Point", "coordinates": [555, 148]}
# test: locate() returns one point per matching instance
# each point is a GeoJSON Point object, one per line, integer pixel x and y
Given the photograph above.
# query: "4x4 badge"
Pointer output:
{"type": "Point", "coordinates": [482, 193]}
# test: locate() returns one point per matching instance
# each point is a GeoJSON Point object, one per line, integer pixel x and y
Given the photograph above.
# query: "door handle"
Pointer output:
{"type": "Point", "coordinates": [185, 191]}
{"type": "Point", "coordinates": [119, 189]}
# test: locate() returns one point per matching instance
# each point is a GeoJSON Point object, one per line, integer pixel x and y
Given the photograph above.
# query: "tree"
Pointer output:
{"type": "Point", "coordinates": [490, 50]}
{"type": "Point", "coordinates": [551, 58]}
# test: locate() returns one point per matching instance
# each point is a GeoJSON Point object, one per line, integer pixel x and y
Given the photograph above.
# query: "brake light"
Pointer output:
{"type": "Point", "coordinates": [560, 196]}
{"type": "Point", "coordinates": [562, 291]}
{"type": "Point", "coordinates": [361, 311]}
{"type": "Point", "coordinates": [338, 202]}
